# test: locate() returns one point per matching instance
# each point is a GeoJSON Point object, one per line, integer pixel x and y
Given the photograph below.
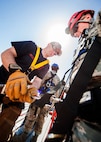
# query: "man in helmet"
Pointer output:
{"type": "Point", "coordinates": [83, 26]}
{"type": "Point", "coordinates": [50, 80]}
{"type": "Point", "coordinates": [83, 16]}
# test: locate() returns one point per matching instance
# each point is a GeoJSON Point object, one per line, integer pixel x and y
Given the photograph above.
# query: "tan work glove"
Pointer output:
{"type": "Point", "coordinates": [16, 85]}
{"type": "Point", "coordinates": [30, 96]}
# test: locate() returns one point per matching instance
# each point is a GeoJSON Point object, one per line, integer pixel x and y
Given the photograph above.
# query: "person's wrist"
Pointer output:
{"type": "Point", "coordinates": [14, 67]}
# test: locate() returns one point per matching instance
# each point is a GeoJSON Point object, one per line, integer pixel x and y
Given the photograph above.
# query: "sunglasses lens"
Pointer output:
{"type": "Point", "coordinates": [74, 29]}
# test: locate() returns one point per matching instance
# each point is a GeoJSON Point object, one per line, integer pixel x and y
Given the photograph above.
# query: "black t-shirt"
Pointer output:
{"type": "Point", "coordinates": [26, 51]}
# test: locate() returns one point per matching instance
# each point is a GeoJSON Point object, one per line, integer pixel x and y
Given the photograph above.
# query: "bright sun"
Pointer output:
{"type": "Point", "coordinates": [57, 33]}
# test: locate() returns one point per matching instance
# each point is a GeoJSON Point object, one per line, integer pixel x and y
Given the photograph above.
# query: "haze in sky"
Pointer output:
{"type": "Point", "coordinates": [42, 21]}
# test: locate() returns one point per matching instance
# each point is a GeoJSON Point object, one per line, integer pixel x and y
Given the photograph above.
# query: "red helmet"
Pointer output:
{"type": "Point", "coordinates": [75, 18]}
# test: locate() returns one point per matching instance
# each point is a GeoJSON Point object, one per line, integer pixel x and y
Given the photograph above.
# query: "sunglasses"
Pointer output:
{"type": "Point", "coordinates": [74, 29]}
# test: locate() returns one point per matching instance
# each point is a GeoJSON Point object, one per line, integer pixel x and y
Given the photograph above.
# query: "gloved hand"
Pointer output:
{"type": "Point", "coordinates": [16, 85]}
{"type": "Point", "coordinates": [54, 99]}
{"type": "Point", "coordinates": [98, 23]}
{"type": "Point", "coordinates": [30, 96]}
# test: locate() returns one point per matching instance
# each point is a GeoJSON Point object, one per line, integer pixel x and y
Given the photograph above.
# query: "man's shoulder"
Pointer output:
{"type": "Point", "coordinates": [23, 42]}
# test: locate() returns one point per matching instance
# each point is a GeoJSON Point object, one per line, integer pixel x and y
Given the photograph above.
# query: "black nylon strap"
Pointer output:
{"type": "Point", "coordinates": [68, 109]}
{"type": "Point", "coordinates": [85, 72]}
{"type": "Point", "coordinates": [52, 76]}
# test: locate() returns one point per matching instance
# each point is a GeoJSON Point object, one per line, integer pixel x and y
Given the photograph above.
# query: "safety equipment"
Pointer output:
{"type": "Point", "coordinates": [55, 66]}
{"type": "Point", "coordinates": [70, 105]}
{"type": "Point", "coordinates": [30, 96]}
{"type": "Point", "coordinates": [16, 85]}
{"type": "Point", "coordinates": [72, 24]}
{"type": "Point", "coordinates": [34, 65]}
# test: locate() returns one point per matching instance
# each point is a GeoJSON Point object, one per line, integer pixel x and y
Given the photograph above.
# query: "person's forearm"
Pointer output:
{"type": "Point", "coordinates": [36, 82]}
{"type": "Point", "coordinates": [7, 58]}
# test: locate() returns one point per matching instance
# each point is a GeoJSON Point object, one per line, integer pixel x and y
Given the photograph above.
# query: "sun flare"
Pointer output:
{"type": "Point", "coordinates": [57, 33]}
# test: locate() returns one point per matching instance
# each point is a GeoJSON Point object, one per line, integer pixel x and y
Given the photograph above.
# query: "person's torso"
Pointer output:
{"type": "Point", "coordinates": [26, 51]}
{"type": "Point", "coordinates": [79, 58]}
{"type": "Point", "coordinates": [49, 81]}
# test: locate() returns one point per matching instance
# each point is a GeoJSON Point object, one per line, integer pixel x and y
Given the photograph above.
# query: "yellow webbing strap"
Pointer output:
{"type": "Point", "coordinates": [34, 66]}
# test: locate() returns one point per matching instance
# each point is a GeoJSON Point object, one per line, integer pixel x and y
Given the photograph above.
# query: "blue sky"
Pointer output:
{"type": "Point", "coordinates": [42, 21]}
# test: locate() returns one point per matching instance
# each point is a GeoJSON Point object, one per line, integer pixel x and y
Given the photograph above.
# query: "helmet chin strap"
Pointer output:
{"type": "Point", "coordinates": [53, 71]}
